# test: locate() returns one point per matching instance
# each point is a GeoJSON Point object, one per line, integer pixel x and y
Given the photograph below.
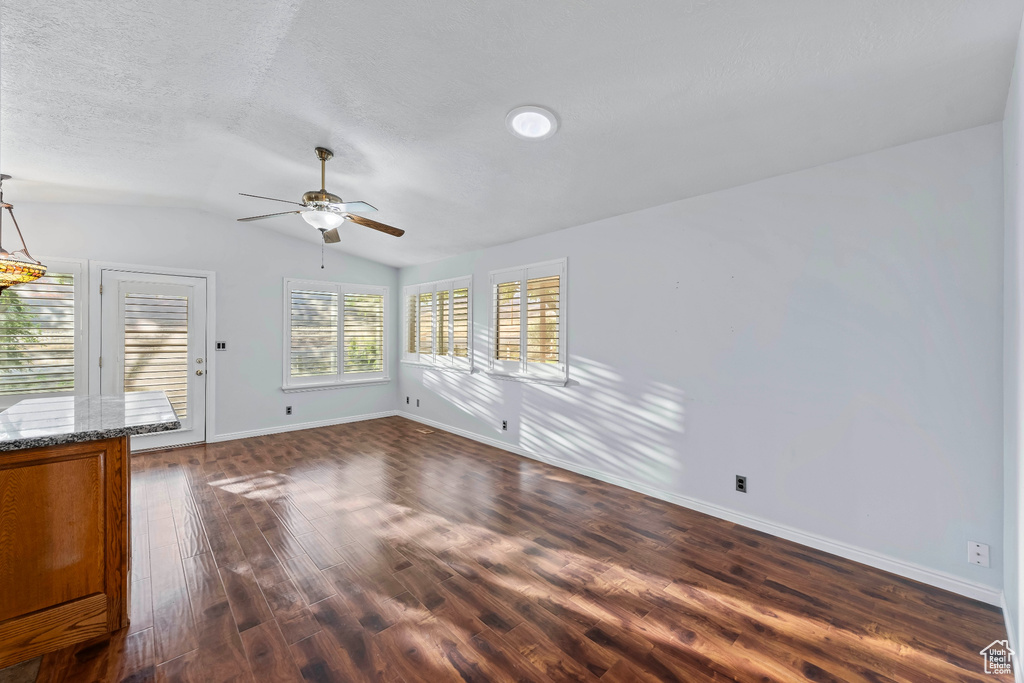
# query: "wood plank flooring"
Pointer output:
{"type": "Point", "coordinates": [372, 552]}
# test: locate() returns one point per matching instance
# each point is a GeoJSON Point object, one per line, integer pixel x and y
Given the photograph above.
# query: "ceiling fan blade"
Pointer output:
{"type": "Point", "coordinates": [268, 215]}
{"type": "Point", "coordinates": [358, 207]}
{"type": "Point", "coordinates": [331, 236]}
{"type": "Point", "coordinates": [366, 222]}
{"type": "Point", "coordinates": [270, 198]}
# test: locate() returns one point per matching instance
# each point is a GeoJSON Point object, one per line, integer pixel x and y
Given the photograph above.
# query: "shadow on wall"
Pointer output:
{"type": "Point", "coordinates": [477, 394]}
{"type": "Point", "coordinates": [621, 426]}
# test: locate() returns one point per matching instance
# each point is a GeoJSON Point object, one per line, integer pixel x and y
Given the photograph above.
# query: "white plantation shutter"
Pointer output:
{"type": "Point", "coordinates": [437, 323]}
{"type": "Point", "coordinates": [508, 331]}
{"type": "Point", "coordinates": [426, 344]}
{"type": "Point", "coordinates": [156, 347]}
{"type": "Point", "coordinates": [41, 335]}
{"type": "Point", "coordinates": [529, 336]}
{"type": "Point", "coordinates": [441, 332]}
{"type": "Point", "coordinates": [542, 338]}
{"type": "Point", "coordinates": [460, 323]}
{"type": "Point", "coordinates": [411, 298]}
{"type": "Point", "coordinates": [314, 333]}
{"type": "Point", "coordinates": [335, 334]}
{"type": "Point", "coordinates": [364, 333]}
{"type": "Point", "coordinates": [37, 336]}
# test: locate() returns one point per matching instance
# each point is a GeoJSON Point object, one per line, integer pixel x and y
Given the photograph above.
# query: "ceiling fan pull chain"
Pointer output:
{"type": "Point", "coordinates": [321, 251]}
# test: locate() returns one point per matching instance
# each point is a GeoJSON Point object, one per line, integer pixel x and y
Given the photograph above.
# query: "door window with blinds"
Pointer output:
{"type": "Point", "coordinates": [528, 313]}
{"type": "Point", "coordinates": [156, 346]}
{"type": "Point", "coordinates": [42, 342]}
{"type": "Point", "coordinates": [334, 334]}
{"type": "Point", "coordinates": [437, 323]}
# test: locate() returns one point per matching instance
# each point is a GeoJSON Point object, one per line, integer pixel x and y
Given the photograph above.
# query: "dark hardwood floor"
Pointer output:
{"type": "Point", "coordinates": [374, 552]}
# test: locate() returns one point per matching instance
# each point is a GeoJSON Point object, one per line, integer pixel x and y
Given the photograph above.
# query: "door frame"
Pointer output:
{"type": "Point", "coordinates": [96, 269]}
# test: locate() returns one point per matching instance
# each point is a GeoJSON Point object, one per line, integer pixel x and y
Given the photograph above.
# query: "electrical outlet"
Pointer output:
{"type": "Point", "coordinates": [222, 346]}
{"type": "Point", "coordinates": [978, 553]}
{"type": "Point", "coordinates": [417, 403]}
{"type": "Point", "coordinates": [287, 410]}
{"type": "Point", "coordinates": [504, 425]}
{"type": "Point", "coordinates": [406, 400]}
{"type": "Point", "coordinates": [741, 484]}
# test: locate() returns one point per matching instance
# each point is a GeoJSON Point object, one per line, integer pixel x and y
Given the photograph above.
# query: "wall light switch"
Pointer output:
{"type": "Point", "coordinates": [977, 553]}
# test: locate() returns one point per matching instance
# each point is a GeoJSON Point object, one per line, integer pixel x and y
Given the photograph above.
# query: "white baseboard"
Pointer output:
{"type": "Point", "coordinates": [279, 429]}
{"type": "Point", "coordinates": [910, 570]}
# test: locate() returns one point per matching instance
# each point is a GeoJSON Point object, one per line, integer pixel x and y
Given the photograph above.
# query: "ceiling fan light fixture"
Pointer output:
{"type": "Point", "coordinates": [323, 219]}
{"type": "Point", "coordinates": [531, 123]}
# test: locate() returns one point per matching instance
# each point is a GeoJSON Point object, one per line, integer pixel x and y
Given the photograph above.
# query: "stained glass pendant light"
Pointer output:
{"type": "Point", "coordinates": [16, 267]}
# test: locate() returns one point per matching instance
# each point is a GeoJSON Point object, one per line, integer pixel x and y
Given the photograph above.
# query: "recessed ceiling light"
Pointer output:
{"type": "Point", "coordinates": [531, 123]}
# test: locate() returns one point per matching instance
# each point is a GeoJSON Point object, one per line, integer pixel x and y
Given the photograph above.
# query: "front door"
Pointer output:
{"type": "Point", "coordinates": [154, 338]}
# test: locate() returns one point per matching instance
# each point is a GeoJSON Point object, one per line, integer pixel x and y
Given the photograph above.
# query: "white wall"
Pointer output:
{"type": "Point", "coordinates": [250, 263]}
{"type": "Point", "coordinates": [834, 334]}
{"type": "Point", "coordinates": [1013, 348]}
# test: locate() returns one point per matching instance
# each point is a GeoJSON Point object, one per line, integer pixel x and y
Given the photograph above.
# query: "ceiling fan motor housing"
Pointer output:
{"type": "Point", "coordinates": [320, 199]}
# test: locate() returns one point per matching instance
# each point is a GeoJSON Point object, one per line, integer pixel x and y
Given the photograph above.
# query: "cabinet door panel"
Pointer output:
{"type": "Point", "coordinates": [52, 530]}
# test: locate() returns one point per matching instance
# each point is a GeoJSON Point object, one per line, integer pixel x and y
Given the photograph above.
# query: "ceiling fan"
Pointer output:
{"type": "Point", "coordinates": [326, 211]}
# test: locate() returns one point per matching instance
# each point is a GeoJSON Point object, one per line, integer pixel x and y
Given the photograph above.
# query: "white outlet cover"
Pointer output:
{"type": "Point", "coordinates": [978, 553]}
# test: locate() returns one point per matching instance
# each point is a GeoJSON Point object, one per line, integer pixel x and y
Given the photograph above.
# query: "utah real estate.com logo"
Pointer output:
{"type": "Point", "coordinates": [998, 658]}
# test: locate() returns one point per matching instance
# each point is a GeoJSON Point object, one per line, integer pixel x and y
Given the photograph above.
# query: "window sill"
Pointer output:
{"type": "Point", "coordinates": [530, 379]}
{"type": "Point", "coordinates": [335, 385]}
{"type": "Point", "coordinates": [465, 370]}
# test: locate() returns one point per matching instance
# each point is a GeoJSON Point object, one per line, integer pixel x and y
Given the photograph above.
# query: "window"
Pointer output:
{"type": "Point", "coordinates": [528, 339]}
{"type": "Point", "coordinates": [507, 330]}
{"type": "Point", "coordinates": [156, 346]}
{"type": "Point", "coordinates": [426, 347]}
{"type": "Point", "coordinates": [42, 342]}
{"type": "Point", "coordinates": [314, 333]}
{"type": "Point", "coordinates": [364, 333]}
{"type": "Point", "coordinates": [437, 323]}
{"type": "Point", "coordinates": [334, 334]}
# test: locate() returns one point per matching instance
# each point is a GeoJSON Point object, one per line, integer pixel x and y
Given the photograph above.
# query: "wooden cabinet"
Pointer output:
{"type": "Point", "coordinates": [63, 545]}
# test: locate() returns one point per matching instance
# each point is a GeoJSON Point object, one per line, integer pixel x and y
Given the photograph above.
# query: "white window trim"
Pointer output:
{"type": "Point", "coordinates": [80, 271]}
{"type": "Point", "coordinates": [521, 370]}
{"type": "Point", "coordinates": [449, 361]}
{"type": "Point", "coordinates": [295, 384]}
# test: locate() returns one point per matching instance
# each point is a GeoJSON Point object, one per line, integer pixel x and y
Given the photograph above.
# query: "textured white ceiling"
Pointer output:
{"type": "Point", "coordinates": [188, 102]}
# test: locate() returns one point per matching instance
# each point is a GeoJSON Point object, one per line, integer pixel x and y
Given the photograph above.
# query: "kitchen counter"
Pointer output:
{"type": "Point", "coordinates": [35, 423]}
{"type": "Point", "coordinates": [65, 553]}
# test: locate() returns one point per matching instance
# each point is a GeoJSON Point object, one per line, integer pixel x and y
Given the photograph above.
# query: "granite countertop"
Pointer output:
{"type": "Point", "coordinates": [38, 422]}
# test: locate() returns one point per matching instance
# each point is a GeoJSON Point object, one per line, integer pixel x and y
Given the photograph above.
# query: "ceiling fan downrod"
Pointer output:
{"type": "Point", "coordinates": [324, 155]}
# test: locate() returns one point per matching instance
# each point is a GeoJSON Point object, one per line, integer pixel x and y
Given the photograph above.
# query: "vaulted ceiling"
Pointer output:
{"type": "Point", "coordinates": [188, 102]}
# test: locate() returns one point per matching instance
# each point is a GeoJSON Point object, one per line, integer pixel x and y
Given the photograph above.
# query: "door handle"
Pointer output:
{"type": "Point", "coordinates": [199, 373]}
